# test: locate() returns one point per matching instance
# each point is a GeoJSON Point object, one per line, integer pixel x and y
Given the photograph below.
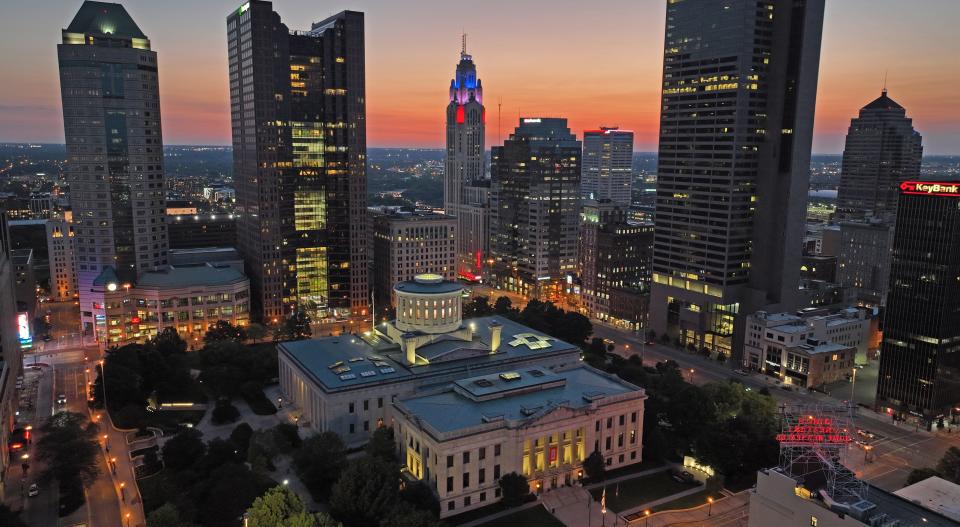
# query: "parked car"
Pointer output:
{"type": "Point", "coordinates": [684, 477]}
{"type": "Point", "coordinates": [741, 372]}
{"type": "Point", "coordinates": [34, 490]}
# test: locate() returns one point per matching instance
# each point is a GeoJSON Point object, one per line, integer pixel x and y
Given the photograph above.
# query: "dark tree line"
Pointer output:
{"type": "Point", "coordinates": [541, 316]}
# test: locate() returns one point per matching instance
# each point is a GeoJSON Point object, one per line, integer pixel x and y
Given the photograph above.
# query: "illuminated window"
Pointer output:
{"type": "Point", "coordinates": [312, 285]}
{"type": "Point", "coordinates": [309, 210]}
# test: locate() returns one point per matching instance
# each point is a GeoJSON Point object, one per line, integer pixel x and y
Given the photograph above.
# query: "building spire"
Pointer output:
{"type": "Point", "coordinates": [884, 91]}
{"type": "Point", "coordinates": [463, 48]}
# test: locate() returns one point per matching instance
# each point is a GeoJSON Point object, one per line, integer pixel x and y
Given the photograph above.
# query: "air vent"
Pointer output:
{"type": "Point", "coordinates": [483, 383]}
{"type": "Point", "coordinates": [380, 364]}
{"type": "Point", "coordinates": [356, 359]}
{"type": "Point", "coordinates": [492, 418]}
{"type": "Point", "coordinates": [341, 369]}
{"type": "Point", "coordinates": [336, 364]}
{"type": "Point", "coordinates": [530, 411]}
{"type": "Point", "coordinates": [536, 373]}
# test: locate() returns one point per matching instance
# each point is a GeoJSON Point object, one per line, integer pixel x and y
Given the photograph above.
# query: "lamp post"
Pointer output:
{"type": "Point", "coordinates": [128, 519]}
{"type": "Point", "coordinates": [123, 491]}
{"type": "Point", "coordinates": [710, 506]}
{"type": "Point", "coordinates": [646, 517]}
{"type": "Point", "coordinates": [691, 375]}
{"type": "Point", "coordinates": [853, 383]}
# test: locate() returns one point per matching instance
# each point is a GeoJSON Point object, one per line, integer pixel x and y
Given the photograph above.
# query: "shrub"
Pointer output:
{"type": "Point", "coordinates": [225, 413]}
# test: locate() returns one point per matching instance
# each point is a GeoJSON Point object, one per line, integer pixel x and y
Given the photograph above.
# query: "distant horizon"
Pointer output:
{"type": "Point", "coordinates": [521, 58]}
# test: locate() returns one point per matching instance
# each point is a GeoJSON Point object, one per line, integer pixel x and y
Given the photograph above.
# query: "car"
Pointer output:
{"type": "Point", "coordinates": [683, 477]}
{"type": "Point", "coordinates": [865, 433]}
{"type": "Point", "coordinates": [62, 399]}
{"type": "Point", "coordinates": [47, 338]}
{"type": "Point", "coordinates": [741, 372]}
{"type": "Point", "coordinates": [34, 490]}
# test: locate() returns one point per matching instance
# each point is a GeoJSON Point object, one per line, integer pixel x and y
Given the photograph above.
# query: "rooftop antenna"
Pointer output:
{"type": "Point", "coordinates": [499, 108]}
{"type": "Point", "coordinates": [463, 45]}
{"type": "Point", "coordinates": [884, 82]}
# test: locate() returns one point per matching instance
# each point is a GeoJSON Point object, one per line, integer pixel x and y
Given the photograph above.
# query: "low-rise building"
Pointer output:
{"type": "Point", "coordinates": [935, 494]}
{"type": "Point", "coordinates": [783, 500]}
{"type": "Point", "coordinates": [346, 384]}
{"type": "Point", "coordinates": [532, 421]}
{"type": "Point", "coordinates": [864, 259]}
{"type": "Point", "coordinates": [187, 298]}
{"type": "Point", "coordinates": [808, 348]}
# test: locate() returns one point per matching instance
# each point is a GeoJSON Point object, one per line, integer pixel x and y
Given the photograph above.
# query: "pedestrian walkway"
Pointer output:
{"type": "Point", "coordinates": [666, 499]}
{"type": "Point", "coordinates": [724, 508]}
{"type": "Point", "coordinates": [501, 514]}
{"type": "Point", "coordinates": [575, 507]}
{"type": "Point", "coordinates": [626, 477]}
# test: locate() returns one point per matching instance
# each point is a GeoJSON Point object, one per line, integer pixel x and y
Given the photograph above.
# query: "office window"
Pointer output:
{"type": "Point", "coordinates": [598, 426]}
{"type": "Point", "coordinates": [482, 454]}
{"type": "Point", "coordinates": [482, 476]}
{"type": "Point", "coordinates": [466, 501]}
{"type": "Point", "coordinates": [450, 505]}
{"type": "Point", "coordinates": [496, 473]}
{"type": "Point", "coordinates": [352, 428]}
{"type": "Point", "coordinates": [366, 426]}
{"type": "Point", "coordinates": [380, 402]}
{"type": "Point", "coordinates": [449, 461]}
{"type": "Point", "coordinates": [449, 483]}
{"type": "Point", "coordinates": [608, 442]}
{"type": "Point", "coordinates": [466, 457]}
{"type": "Point", "coordinates": [609, 423]}
{"type": "Point", "coordinates": [633, 417]}
{"type": "Point", "coordinates": [352, 408]}
{"type": "Point", "coordinates": [496, 492]}
{"type": "Point", "coordinates": [483, 497]}
{"type": "Point", "coordinates": [466, 479]}
{"type": "Point", "coordinates": [496, 450]}
{"type": "Point", "coordinates": [366, 405]}
{"type": "Point", "coordinates": [622, 419]}
{"type": "Point", "coordinates": [813, 521]}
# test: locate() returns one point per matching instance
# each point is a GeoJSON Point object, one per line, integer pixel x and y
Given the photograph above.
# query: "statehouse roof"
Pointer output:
{"type": "Point", "coordinates": [355, 361]}
{"type": "Point", "coordinates": [513, 395]}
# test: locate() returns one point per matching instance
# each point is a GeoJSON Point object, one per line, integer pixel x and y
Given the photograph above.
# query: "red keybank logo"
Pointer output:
{"type": "Point", "coordinates": [932, 188]}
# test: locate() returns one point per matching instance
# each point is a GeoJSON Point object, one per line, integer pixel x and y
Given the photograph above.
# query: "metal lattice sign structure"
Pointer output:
{"type": "Point", "coordinates": [813, 441]}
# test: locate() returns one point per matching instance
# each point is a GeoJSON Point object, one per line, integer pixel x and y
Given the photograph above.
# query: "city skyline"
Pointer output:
{"type": "Point", "coordinates": [406, 109]}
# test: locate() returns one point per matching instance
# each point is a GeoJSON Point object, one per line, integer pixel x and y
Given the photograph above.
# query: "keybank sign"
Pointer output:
{"type": "Point", "coordinates": [930, 188]}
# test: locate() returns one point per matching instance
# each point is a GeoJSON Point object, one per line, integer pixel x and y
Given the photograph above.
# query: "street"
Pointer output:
{"type": "Point", "coordinates": [897, 448]}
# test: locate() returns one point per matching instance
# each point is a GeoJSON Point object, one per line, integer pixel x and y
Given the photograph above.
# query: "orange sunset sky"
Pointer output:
{"type": "Point", "coordinates": [590, 61]}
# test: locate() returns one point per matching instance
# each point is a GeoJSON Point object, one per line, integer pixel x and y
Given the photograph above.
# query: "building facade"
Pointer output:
{"type": "Point", "coordinates": [346, 384]}
{"type": "Point", "coordinates": [208, 230]}
{"type": "Point", "coordinates": [406, 244]}
{"type": "Point", "coordinates": [111, 111]}
{"type": "Point", "coordinates": [736, 124]}
{"type": "Point", "coordinates": [771, 336]}
{"type": "Point", "coordinates": [535, 422]}
{"type": "Point", "coordinates": [535, 210]}
{"type": "Point", "coordinates": [882, 151]}
{"type": "Point", "coordinates": [607, 171]}
{"type": "Point", "coordinates": [920, 357]}
{"type": "Point", "coordinates": [464, 178]}
{"type": "Point", "coordinates": [299, 146]}
{"type": "Point", "coordinates": [62, 251]}
{"type": "Point", "coordinates": [615, 256]}
{"type": "Point", "coordinates": [864, 262]}
{"type": "Point", "coordinates": [10, 359]}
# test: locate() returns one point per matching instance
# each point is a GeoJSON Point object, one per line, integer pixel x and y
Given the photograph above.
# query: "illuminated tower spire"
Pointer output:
{"type": "Point", "coordinates": [464, 190]}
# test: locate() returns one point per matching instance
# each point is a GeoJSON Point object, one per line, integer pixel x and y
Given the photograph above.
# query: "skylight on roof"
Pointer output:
{"type": "Point", "coordinates": [336, 364]}
{"type": "Point", "coordinates": [341, 369]}
{"type": "Point", "coordinates": [510, 376]}
{"type": "Point", "coordinates": [483, 383]}
{"type": "Point", "coordinates": [368, 373]}
{"type": "Point", "coordinates": [387, 370]}
{"type": "Point", "coordinates": [380, 364]}
{"type": "Point", "coordinates": [348, 377]}
{"type": "Point", "coordinates": [536, 373]}
{"type": "Point", "coordinates": [356, 359]}
{"type": "Point", "coordinates": [530, 340]}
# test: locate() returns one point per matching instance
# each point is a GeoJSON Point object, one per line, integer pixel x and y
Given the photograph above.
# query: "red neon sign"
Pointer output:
{"type": "Point", "coordinates": [932, 188]}
{"type": "Point", "coordinates": [553, 454]}
{"type": "Point", "coordinates": [814, 431]}
{"type": "Point", "coordinates": [135, 320]}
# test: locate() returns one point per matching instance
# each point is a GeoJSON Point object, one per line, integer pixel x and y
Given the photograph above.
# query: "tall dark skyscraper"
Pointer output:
{"type": "Point", "coordinates": [465, 190]}
{"type": "Point", "coordinates": [535, 208]}
{"type": "Point", "coordinates": [920, 352]}
{"type": "Point", "coordinates": [111, 119]}
{"type": "Point", "coordinates": [736, 125]}
{"type": "Point", "coordinates": [882, 151]}
{"type": "Point", "coordinates": [299, 144]}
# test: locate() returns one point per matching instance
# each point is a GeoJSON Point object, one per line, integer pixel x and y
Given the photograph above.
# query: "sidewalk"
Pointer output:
{"type": "Point", "coordinates": [666, 499]}
{"type": "Point", "coordinates": [501, 514]}
{"type": "Point", "coordinates": [113, 444]}
{"type": "Point", "coordinates": [724, 507]}
{"type": "Point", "coordinates": [627, 477]}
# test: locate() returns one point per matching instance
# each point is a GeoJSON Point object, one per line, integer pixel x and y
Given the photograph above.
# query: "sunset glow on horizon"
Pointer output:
{"type": "Point", "coordinates": [593, 64]}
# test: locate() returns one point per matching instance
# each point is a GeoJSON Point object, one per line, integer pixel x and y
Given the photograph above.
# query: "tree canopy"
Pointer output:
{"type": "Point", "coordinates": [280, 507]}
{"type": "Point", "coordinates": [68, 449]}
{"type": "Point", "coordinates": [319, 461]}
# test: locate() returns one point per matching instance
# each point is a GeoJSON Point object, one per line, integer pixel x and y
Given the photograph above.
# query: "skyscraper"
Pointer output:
{"type": "Point", "coordinates": [299, 144]}
{"type": "Point", "coordinates": [111, 118]}
{"type": "Point", "coordinates": [607, 165]}
{"type": "Point", "coordinates": [465, 190]}
{"type": "Point", "coordinates": [882, 151]}
{"type": "Point", "coordinates": [12, 329]}
{"type": "Point", "coordinates": [736, 124]}
{"type": "Point", "coordinates": [919, 358]}
{"type": "Point", "coordinates": [535, 208]}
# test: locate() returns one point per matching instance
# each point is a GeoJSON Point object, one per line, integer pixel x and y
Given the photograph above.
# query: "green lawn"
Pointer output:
{"type": "Point", "coordinates": [532, 517]}
{"type": "Point", "coordinates": [635, 492]}
{"type": "Point", "coordinates": [687, 502]}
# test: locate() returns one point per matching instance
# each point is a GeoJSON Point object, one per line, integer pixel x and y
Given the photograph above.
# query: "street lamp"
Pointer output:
{"type": "Point", "coordinates": [123, 491]}
{"type": "Point", "coordinates": [646, 517]}
{"type": "Point", "coordinates": [128, 519]}
{"type": "Point", "coordinates": [691, 375]}
{"type": "Point", "coordinates": [710, 508]}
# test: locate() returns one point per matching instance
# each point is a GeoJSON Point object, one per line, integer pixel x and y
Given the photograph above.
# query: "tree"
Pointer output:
{"type": "Point", "coordinates": [226, 493]}
{"type": "Point", "coordinates": [920, 474]}
{"type": "Point", "coordinates": [168, 342]}
{"type": "Point", "coordinates": [405, 515]}
{"type": "Point", "coordinates": [166, 515]}
{"type": "Point", "coordinates": [319, 461]}
{"type": "Point", "coordinates": [224, 413]}
{"type": "Point", "coordinates": [382, 444]}
{"type": "Point", "coordinates": [240, 437]}
{"type": "Point", "coordinates": [651, 336]}
{"type": "Point", "coordinates": [256, 332]}
{"type": "Point", "coordinates": [222, 330]}
{"type": "Point", "coordinates": [183, 449]}
{"type": "Point", "coordinates": [295, 327]}
{"type": "Point", "coordinates": [68, 449]}
{"type": "Point", "coordinates": [478, 306]}
{"type": "Point", "coordinates": [420, 496]}
{"type": "Point", "coordinates": [949, 465]}
{"type": "Point", "coordinates": [503, 306]}
{"type": "Point", "coordinates": [280, 507]}
{"type": "Point", "coordinates": [514, 489]}
{"type": "Point", "coordinates": [366, 492]}
{"type": "Point", "coordinates": [8, 518]}
{"type": "Point", "coordinates": [594, 467]}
